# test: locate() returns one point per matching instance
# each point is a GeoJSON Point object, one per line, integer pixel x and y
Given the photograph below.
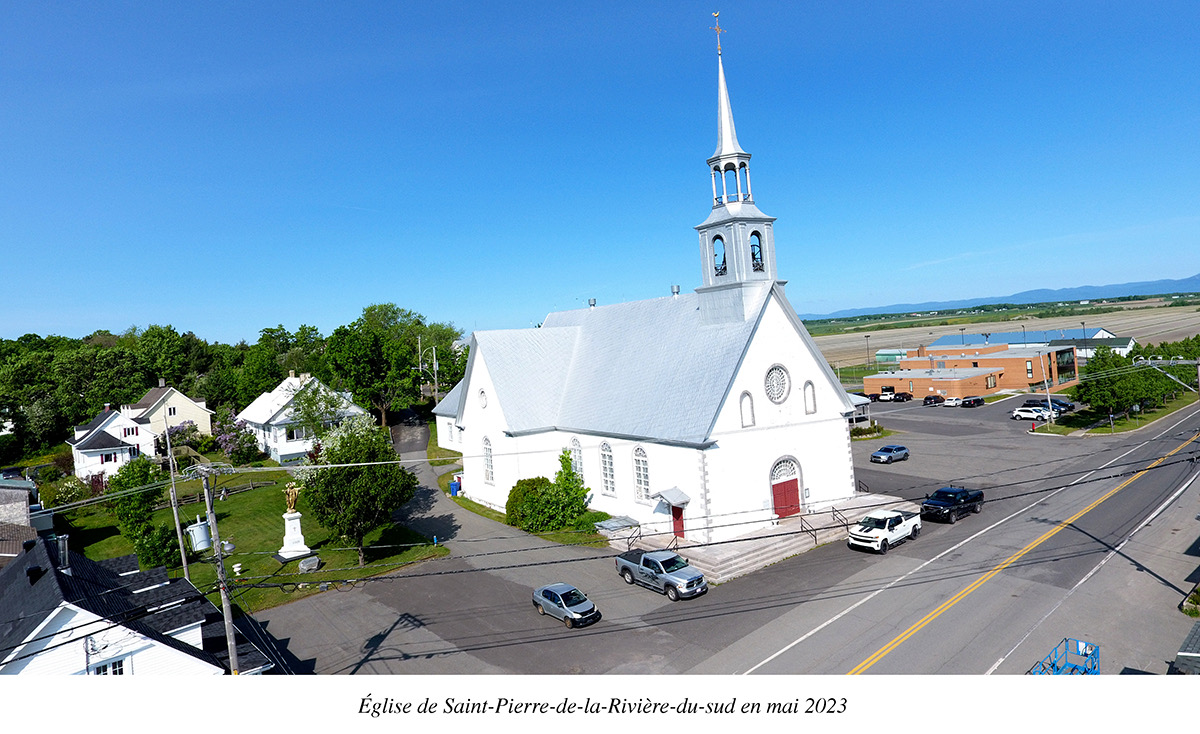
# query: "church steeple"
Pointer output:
{"type": "Point", "coordinates": [737, 246]}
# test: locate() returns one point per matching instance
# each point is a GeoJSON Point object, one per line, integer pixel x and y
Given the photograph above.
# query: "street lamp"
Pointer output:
{"type": "Point", "coordinates": [421, 364]}
{"type": "Point", "coordinates": [1084, 325]}
{"type": "Point", "coordinates": [868, 337]}
{"type": "Point", "coordinates": [1024, 341]}
{"type": "Point", "coordinates": [962, 333]}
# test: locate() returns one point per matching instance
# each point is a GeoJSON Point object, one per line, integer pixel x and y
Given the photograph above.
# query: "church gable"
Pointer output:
{"type": "Point", "coordinates": [782, 378]}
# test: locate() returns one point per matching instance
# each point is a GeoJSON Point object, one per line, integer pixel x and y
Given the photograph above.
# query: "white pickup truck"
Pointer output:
{"type": "Point", "coordinates": [882, 529]}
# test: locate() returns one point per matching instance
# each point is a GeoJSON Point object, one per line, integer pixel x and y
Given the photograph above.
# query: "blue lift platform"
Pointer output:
{"type": "Point", "coordinates": [1070, 657]}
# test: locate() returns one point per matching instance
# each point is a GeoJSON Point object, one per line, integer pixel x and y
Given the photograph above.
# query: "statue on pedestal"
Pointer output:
{"type": "Point", "coordinates": [293, 538]}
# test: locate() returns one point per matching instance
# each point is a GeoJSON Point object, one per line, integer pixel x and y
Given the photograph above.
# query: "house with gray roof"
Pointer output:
{"type": "Point", "coordinates": [63, 614]}
{"type": "Point", "coordinates": [705, 415]}
{"type": "Point", "coordinates": [108, 442]}
{"type": "Point", "coordinates": [164, 407]}
{"type": "Point", "coordinates": [278, 429]}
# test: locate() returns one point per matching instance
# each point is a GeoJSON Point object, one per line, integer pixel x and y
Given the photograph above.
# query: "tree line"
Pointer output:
{"type": "Point", "coordinates": [50, 384]}
{"type": "Point", "coordinates": [1110, 383]}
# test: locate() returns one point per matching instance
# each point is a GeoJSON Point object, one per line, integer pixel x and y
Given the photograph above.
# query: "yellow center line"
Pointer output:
{"type": "Point", "coordinates": [861, 667]}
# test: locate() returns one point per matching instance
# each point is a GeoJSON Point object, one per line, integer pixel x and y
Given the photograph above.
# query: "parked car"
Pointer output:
{"type": "Point", "coordinates": [952, 402]}
{"type": "Point", "coordinates": [879, 530]}
{"type": "Point", "coordinates": [902, 397]}
{"type": "Point", "coordinates": [951, 503]}
{"type": "Point", "coordinates": [1031, 414]}
{"type": "Point", "coordinates": [933, 400]}
{"type": "Point", "coordinates": [567, 603]}
{"type": "Point", "coordinates": [661, 570]}
{"type": "Point", "coordinates": [1055, 404]}
{"type": "Point", "coordinates": [972, 402]}
{"type": "Point", "coordinates": [888, 454]}
{"type": "Point", "coordinates": [873, 397]}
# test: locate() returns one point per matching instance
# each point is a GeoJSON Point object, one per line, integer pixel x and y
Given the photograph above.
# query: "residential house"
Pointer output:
{"type": "Point", "coordinates": [706, 415]}
{"type": "Point", "coordinates": [278, 430]}
{"type": "Point", "coordinates": [110, 441]}
{"type": "Point", "coordinates": [164, 407]}
{"type": "Point", "coordinates": [62, 614]}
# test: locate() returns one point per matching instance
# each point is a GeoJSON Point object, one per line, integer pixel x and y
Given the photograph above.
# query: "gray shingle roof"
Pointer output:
{"type": "Point", "coordinates": [647, 369]}
{"type": "Point", "coordinates": [100, 589]}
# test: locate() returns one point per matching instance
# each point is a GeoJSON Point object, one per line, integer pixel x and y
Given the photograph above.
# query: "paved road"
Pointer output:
{"type": "Point", "coordinates": [471, 613]}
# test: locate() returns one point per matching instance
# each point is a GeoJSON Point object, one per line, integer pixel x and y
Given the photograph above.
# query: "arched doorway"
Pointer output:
{"type": "Point", "coordinates": [785, 487]}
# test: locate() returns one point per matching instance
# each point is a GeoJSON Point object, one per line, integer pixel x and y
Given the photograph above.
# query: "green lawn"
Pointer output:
{"type": "Point", "coordinates": [437, 455]}
{"type": "Point", "coordinates": [253, 521]}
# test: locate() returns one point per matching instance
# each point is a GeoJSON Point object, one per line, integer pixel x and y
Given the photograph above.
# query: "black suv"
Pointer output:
{"type": "Point", "coordinates": [933, 400]}
{"type": "Point", "coordinates": [972, 402]}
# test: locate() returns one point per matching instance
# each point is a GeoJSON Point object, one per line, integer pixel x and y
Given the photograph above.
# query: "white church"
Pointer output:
{"type": "Point", "coordinates": [707, 415]}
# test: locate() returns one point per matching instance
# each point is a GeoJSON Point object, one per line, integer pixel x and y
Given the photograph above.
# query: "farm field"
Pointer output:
{"type": "Point", "coordinates": [1148, 322]}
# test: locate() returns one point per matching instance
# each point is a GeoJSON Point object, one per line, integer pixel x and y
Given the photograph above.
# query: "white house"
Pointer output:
{"type": "Point", "coordinates": [278, 431]}
{"type": "Point", "coordinates": [67, 615]}
{"type": "Point", "coordinates": [708, 415]}
{"type": "Point", "coordinates": [164, 406]}
{"type": "Point", "coordinates": [110, 441]}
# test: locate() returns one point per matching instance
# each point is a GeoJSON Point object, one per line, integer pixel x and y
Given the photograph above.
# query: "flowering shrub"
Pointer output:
{"type": "Point", "coordinates": [236, 441]}
{"type": "Point", "coordinates": [184, 434]}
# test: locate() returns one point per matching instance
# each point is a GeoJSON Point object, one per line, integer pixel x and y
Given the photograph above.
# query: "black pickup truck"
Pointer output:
{"type": "Point", "coordinates": [950, 503]}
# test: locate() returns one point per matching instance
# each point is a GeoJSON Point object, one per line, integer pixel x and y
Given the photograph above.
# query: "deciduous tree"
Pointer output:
{"type": "Point", "coordinates": [351, 501]}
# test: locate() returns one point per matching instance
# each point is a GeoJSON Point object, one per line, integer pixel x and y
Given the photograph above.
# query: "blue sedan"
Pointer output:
{"type": "Point", "coordinates": [888, 454]}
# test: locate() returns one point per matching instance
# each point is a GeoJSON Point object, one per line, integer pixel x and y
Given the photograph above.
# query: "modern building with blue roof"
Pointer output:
{"type": "Point", "coordinates": [707, 415]}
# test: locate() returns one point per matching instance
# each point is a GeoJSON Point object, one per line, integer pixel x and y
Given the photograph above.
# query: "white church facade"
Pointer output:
{"type": "Point", "coordinates": [707, 415]}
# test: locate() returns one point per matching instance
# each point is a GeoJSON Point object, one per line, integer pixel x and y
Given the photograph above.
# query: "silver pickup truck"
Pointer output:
{"type": "Point", "coordinates": [661, 570]}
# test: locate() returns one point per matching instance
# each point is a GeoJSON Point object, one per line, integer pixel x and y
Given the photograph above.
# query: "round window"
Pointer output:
{"type": "Point", "coordinates": [482, 399]}
{"type": "Point", "coordinates": [777, 384]}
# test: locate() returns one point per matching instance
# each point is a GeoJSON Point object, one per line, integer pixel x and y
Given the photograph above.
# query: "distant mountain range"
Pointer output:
{"type": "Point", "coordinates": [1044, 295]}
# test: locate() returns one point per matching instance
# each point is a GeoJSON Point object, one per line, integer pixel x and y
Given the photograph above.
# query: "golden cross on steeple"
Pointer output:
{"type": "Point", "coordinates": [718, 29]}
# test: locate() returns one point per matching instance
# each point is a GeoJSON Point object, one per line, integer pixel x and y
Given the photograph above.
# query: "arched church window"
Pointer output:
{"type": "Point", "coordinates": [641, 474]}
{"type": "Point", "coordinates": [489, 475]}
{"type": "Point", "coordinates": [783, 470]}
{"type": "Point", "coordinates": [756, 256]}
{"type": "Point", "coordinates": [719, 266]}
{"type": "Point", "coordinates": [810, 398]}
{"type": "Point", "coordinates": [747, 406]}
{"type": "Point", "coordinates": [577, 458]}
{"type": "Point", "coordinates": [608, 479]}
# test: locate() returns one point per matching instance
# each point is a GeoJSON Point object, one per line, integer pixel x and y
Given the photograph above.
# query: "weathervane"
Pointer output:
{"type": "Point", "coordinates": [718, 29]}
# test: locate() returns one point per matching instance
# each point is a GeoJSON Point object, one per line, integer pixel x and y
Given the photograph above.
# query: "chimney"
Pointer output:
{"type": "Point", "coordinates": [675, 290]}
{"type": "Point", "coordinates": [64, 555]}
{"type": "Point", "coordinates": [291, 373]}
{"type": "Point", "coordinates": [107, 406]}
{"type": "Point", "coordinates": [28, 545]}
{"type": "Point", "coordinates": [162, 382]}
{"type": "Point", "coordinates": [591, 303]}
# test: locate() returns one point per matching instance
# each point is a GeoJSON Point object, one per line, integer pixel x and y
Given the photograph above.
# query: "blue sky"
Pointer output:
{"type": "Point", "coordinates": [224, 167]}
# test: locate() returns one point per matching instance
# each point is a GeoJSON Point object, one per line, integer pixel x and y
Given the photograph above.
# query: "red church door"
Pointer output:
{"type": "Point", "coordinates": [786, 497]}
{"type": "Point", "coordinates": [677, 521]}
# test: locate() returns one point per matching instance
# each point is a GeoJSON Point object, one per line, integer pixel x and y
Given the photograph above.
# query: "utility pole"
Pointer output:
{"type": "Point", "coordinates": [218, 558]}
{"type": "Point", "coordinates": [175, 503]}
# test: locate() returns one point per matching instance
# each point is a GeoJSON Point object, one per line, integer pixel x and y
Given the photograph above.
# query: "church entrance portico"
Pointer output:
{"type": "Point", "coordinates": [785, 488]}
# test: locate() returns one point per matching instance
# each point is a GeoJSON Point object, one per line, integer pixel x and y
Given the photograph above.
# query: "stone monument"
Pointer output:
{"type": "Point", "coordinates": [293, 538]}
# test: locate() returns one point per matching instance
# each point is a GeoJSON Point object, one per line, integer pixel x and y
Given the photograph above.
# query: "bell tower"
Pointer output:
{"type": "Point", "coordinates": [737, 244]}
